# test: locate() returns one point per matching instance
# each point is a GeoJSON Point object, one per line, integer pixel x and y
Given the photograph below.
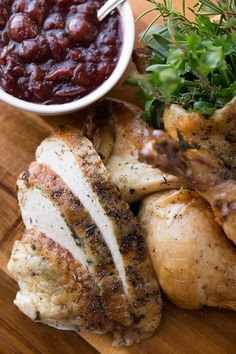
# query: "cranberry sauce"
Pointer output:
{"type": "Point", "coordinates": [56, 51]}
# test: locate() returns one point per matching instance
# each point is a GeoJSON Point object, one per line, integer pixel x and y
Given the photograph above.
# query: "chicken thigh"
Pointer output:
{"type": "Point", "coordinates": [202, 151]}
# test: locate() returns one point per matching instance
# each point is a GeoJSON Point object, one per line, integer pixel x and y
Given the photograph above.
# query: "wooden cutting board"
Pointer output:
{"type": "Point", "coordinates": [206, 331]}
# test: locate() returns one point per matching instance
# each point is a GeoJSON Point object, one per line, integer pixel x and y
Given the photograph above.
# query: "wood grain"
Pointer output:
{"type": "Point", "coordinates": [208, 331]}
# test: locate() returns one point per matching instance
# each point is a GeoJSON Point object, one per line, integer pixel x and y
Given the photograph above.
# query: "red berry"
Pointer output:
{"type": "Point", "coordinates": [21, 27]}
{"type": "Point", "coordinates": [81, 29]}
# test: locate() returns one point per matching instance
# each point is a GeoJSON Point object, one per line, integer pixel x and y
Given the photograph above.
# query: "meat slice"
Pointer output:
{"type": "Point", "coordinates": [73, 158]}
{"type": "Point", "coordinates": [39, 211]}
{"type": "Point", "coordinates": [194, 261]}
{"type": "Point", "coordinates": [39, 187]}
{"type": "Point", "coordinates": [55, 288]}
{"type": "Point", "coordinates": [118, 133]}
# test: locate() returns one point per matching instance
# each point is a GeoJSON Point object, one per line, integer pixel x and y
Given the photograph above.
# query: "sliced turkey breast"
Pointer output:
{"type": "Point", "coordinates": [54, 287]}
{"type": "Point", "coordinates": [72, 157]}
{"type": "Point", "coordinates": [43, 198]}
{"type": "Point", "coordinates": [118, 133]}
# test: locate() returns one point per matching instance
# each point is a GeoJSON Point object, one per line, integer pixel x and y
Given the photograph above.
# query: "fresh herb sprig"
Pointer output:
{"type": "Point", "coordinates": [193, 62]}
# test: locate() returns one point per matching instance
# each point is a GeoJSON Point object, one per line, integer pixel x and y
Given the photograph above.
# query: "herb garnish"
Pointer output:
{"type": "Point", "coordinates": [193, 62]}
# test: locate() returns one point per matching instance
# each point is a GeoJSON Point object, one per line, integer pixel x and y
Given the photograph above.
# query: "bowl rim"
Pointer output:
{"type": "Point", "coordinates": [128, 30]}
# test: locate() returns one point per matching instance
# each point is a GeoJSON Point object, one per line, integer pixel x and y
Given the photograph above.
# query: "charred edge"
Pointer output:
{"type": "Point", "coordinates": [97, 244]}
{"type": "Point", "coordinates": [116, 285]}
{"type": "Point", "coordinates": [57, 193]}
{"type": "Point", "coordinates": [114, 213]}
{"type": "Point", "coordinates": [134, 278]}
{"type": "Point", "coordinates": [100, 187]}
{"type": "Point", "coordinates": [25, 177]}
{"type": "Point", "coordinates": [134, 241]}
{"type": "Point", "coordinates": [112, 282]}
{"type": "Point", "coordinates": [90, 229]}
{"type": "Point", "coordinates": [137, 318]}
{"type": "Point", "coordinates": [78, 240]}
{"type": "Point", "coordinates": [230, 138]}
{"type": "Point", "coordinates": [145, 298]}
{"type": "Point", "coordinates": [95, 307]}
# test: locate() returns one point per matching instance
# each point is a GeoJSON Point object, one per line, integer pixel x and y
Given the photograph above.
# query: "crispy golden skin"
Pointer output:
{"type": "Point", "coordinates": [59, 291]}
{"type": "Point", "coordinates": [195, 263]}
{"type": "Point", "coordinates": [205, 159]}
{"type": "Point", "coordinates": [69, 196]}
{"type": "Point", "coordinates": [216, 134]}
{"type": "Point", "coordinates": [86, 234]}
{"type": "Point", "coordinates": [118, 133]}
{"type": "Point", "coordinates": [143, 291]}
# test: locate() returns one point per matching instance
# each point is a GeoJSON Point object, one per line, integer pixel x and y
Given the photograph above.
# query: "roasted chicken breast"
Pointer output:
{"type": "Point", "coordinates": [195, 263]}
{"type": "Point", "coordinates": [118, 133]}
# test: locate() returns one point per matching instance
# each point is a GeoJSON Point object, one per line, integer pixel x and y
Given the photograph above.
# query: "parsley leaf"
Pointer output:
{"type": "Point", "coordinates": [193, 63]}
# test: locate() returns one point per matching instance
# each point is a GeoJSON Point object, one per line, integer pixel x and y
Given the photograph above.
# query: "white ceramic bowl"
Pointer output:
{"type": "Point", "coordinates": [128, 28]}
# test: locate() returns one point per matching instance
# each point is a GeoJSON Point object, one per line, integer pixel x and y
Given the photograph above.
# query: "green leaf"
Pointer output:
{"type": "Point", "coordinates": [205, 108]}
{"type": "Point", "coordinates": [175, 55]}
{"type": "Point", "coordinates": [213, 58]}
{"type": "Point", "coordinates": [193, 62]}
{"type": "Point", "coordinates": [206, 26]}
{"type": "Point", "coordinates": [148, 109]}
{"type": "Point", "coordinates": [155, 29]}
{"type": "Point", "coordinates": [165, 81]}
{"type": "Point", "coordinates": [157, 67]}
{"type": "Point", "coordinates": [142, 81]}
{"type": "Point", "coordinates": [163, 44]}
{"type": "Point", "coordinates": [177, 59]}
{"type": "Point", "coordinates": [226, 43]}
{"type": "Point", "coordinates": [153, 43]}
{"type": "Point", "coordinates": [157, 59]}
{"type": "Point", "coordinates": [193, 41]}
{"type": "Point", "coordinates": [229, 91]}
